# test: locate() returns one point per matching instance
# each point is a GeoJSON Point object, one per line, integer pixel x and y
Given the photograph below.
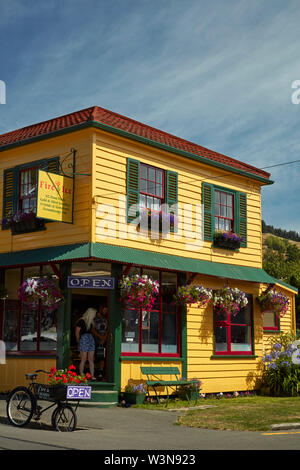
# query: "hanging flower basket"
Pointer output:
{"type": "Point", "coordinates": [227, 240]}
{"type": "Point", "coordinates": [188, 295]}
{"type": "Point", "coordinates": [140, 291]}
{"type": "Point", "coordinates": [229, 300]}
{"type": "Point", "coordinates": [274, 301]}
{"type": "Point", "coordinates": [40, 289]}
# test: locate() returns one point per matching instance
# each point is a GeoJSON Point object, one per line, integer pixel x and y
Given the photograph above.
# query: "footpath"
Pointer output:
{"type": "Point", "coordinates": [135, 429]}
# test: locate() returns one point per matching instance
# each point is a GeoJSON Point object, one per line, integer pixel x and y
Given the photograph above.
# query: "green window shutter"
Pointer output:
{"type": "Point", "coordinates": [171, 189]}
{"type": "Point", "coordinates": [242, 217]}
{"type": "Point", "coordinates": [10, 182]}
{"type": "Point", "coordinates": [133, 188]}
{"type": "Point", "coordinates": [208, 209]}
{"type": "Point", "coordinates": [53, 165]}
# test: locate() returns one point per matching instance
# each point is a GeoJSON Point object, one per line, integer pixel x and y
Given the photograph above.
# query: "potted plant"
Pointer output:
{"type": "Point", "coordinates": [274, 301]}
{"type": "Point", "coordinates": [227, 240]}
{"type": "Point", "coordinates": [140, 291]}
{"type": "Point", "coordinates": [40, 289]}
{"type": "Point", "coordinates": [23, 222]}
{"type": "Point", "coordinates": [135, 394]}
{"type": "Point", "coordinates": [229, 300]}
{"type": "Point", "coordinates": [191, 294]}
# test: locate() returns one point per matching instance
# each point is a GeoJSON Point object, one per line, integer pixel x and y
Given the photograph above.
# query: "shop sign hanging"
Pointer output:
{"type": "Point", "coordinates": [55, 197]}
{"type": "Point", "coordinates": [80, 282]}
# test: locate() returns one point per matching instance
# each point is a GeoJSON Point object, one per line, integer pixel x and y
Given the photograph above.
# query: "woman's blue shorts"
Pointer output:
{"type": "Point", "coordinates": [86, 343]}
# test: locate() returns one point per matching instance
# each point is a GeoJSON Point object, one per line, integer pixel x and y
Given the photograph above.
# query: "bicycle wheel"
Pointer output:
{"type": "Point", "coordinates": [64, 418]}
{"type": "Point", "coordinates": [20, 406]}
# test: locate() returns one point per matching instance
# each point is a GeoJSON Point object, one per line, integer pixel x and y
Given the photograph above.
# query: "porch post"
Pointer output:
{"type": "Point", "coordinates": [64, 319]}
{"type": "Point", "coordinates": [183, 318]}
{"type": "Point", "coordinates": [115, 333]}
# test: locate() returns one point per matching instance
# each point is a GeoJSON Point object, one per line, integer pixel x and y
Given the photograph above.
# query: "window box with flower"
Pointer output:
{"type": "Point", "coordinates": [157, 221]}
{"type": "Point", "coordinates": [23, 222]}
{"type": "Point", "coordinates": [227, 240]}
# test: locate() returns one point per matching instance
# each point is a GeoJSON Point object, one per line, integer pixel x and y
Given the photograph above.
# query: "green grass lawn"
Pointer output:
{"type": "Point", "coordinates": [239, 414]}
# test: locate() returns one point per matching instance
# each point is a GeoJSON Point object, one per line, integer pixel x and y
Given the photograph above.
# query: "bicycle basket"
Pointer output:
{"type": "Point", "coordinates": [50, 392]}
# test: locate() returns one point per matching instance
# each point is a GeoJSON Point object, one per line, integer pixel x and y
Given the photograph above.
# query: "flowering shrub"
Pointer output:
{"type": "Point", "coordinates": [141, 291]}
{"type": "Point", "coordinates": [67, 376]}
{"type": "Point", "coordinates": [229, 300]}
{"type": "Point", "coordinates": [275, 301]}
{"type": "Point", "coordinates": [193, 295]}
{"type": "Point", "coordinates": [280, 374]}
{"type": "Point", "coordinates": [43, 289]}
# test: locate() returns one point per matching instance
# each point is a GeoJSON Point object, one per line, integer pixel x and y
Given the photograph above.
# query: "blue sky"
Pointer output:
{"type": "Point", "coordinates": [218, 73]}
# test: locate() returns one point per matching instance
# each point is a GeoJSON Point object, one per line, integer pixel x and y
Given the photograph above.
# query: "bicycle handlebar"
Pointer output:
{"type": "Point", "coordinates": [41, 370]}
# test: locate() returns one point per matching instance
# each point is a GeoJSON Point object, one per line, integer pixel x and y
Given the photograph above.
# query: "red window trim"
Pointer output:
{"type": "Point", "coordinates": [18, 351]}
{"type": "Point", "coordinates": [20, 201]}
{"type": "Point", "coordinates": [272, 328]}
{"type": "Point", "coordinates": [227, 323]}
{"type": "Point", "coordinates": [153, 181]}
{"type": "Point", "coordinates": [158, 354]}
{"type": "Point", "coordinates": [220, 205]}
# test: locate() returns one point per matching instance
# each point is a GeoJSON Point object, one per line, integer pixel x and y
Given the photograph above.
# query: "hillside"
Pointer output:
{"type": "Point", "coordinates": [266, 235]}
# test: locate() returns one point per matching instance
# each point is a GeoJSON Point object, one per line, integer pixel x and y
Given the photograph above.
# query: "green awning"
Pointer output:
{"type": "Point", "coordinates": [138, 257]}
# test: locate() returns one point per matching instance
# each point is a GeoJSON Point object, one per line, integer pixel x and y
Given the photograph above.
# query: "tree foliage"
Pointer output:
{"type": "Point", "coordinates": [281, 259]}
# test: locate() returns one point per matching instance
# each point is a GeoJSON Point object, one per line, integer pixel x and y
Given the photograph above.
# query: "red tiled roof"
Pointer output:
{"type": "Point", "coordinates": [126, 124]}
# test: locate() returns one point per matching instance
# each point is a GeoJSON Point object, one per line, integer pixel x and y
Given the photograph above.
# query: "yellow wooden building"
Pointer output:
{"type": "Point", "coordinates": [117, 169]}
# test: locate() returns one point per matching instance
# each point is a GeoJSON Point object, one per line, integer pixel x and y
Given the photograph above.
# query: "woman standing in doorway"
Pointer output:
{"type": "Point", "coordinates": [85, 340]}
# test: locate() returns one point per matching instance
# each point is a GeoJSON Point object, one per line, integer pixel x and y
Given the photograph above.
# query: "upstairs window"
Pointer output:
{"type": "Point", "coordinates": [151, 187]}
{"type": "Point", "coordinates": [20, 186]}
{"type": "Point", "coordinates": [28, 190]}
{"type": "Point", "coordinates": [224, 210]}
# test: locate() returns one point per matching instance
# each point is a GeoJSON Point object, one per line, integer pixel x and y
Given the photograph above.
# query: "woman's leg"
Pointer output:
{"type": "Point", "coordinates": [91, 355]}
{"type": "Point", "coordinates": [83, 356]}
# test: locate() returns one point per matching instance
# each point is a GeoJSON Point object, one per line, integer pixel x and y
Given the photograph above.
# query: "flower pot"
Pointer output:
{"type": "Point", "coordinates": [134, 398]}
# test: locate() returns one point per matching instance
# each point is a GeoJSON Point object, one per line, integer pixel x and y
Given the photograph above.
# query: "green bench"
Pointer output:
{"type": "Point", "coordinates": [154, 381]}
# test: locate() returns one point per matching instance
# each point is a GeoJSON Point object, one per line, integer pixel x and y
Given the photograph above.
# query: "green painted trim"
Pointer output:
{"type": "Point", "coordinates": [115, 329]}
{"type": "Point", "coordinates": [150, 359]}
{"type": "Point", "coordinates": [136, 257]}
{"type": "Point", "coordinates": [183, 320]}
{"type": "Point", "coordinates": [129, 135]}
{"type": "Point", "coordinates": [64, 319]}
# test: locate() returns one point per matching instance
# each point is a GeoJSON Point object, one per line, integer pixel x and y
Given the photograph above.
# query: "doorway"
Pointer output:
{"type": "Point", "coordinates": [80, 303]}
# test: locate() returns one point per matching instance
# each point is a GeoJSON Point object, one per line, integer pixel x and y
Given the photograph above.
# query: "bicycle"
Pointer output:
{"type": "Point", "coordinates": [22, 404]}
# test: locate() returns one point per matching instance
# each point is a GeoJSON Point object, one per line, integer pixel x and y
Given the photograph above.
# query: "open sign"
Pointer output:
{"type": "Point", "coordinates": [77, 392]}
